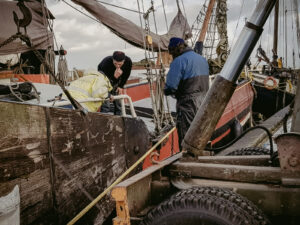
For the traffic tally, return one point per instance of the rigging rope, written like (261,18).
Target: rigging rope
(163,4)
(120,7)
(156,80)
(183,8)
(237,24)
(62,66)
(81,11)
(178,7)
(199,19)
(62,69)
(161,80)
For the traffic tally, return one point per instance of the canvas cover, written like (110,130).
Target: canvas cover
(92,85)
(133,33)
(37,29)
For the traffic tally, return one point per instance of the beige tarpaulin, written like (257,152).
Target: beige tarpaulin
(131,32)
(92,85)
(37,30)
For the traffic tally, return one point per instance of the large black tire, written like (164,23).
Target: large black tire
(251,209)
(250,151)
(201,206)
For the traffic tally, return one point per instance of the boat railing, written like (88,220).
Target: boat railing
(115,97)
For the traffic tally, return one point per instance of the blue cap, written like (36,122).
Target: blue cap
(174,41)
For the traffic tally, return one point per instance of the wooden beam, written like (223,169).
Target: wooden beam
(248,160)
(134,193)
(251,174)
(209,10)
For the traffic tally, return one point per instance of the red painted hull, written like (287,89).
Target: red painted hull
(239,107)
(34,78)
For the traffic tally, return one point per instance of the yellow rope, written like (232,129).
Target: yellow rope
(88,207)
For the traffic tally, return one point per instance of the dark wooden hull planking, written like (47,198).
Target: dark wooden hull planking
(88,154)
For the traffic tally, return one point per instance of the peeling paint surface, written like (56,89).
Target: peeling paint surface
(119,129)
(69,147)
(33,145)
(35,156)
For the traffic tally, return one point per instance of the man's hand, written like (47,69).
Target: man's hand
(111,98)
(118,73)
(119,90)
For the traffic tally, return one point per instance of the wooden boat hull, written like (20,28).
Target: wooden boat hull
(61,160)
(238,108)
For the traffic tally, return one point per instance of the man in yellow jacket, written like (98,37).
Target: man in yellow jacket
(91,85)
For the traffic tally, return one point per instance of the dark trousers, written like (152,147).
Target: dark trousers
(106,107)
(186,109)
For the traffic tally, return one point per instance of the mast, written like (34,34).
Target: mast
(275,35)
(199,44)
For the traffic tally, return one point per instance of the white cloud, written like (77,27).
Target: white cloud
(87,41)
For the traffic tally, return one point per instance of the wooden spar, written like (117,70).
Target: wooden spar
(199,43)
(275,35)
(206,20)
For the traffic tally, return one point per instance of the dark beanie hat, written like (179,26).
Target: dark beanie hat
(174,41)
(119,56)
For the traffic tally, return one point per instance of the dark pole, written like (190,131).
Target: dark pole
(275,35)
(223,87)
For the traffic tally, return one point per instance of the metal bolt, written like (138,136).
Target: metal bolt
(293,161)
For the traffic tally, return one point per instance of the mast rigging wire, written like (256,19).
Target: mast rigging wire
(183,8)
(120,7)
(163,4)
(237,24)
(81,11)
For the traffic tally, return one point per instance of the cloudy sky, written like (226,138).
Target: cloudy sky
(88,41)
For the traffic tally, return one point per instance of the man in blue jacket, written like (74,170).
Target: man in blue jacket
(187,81)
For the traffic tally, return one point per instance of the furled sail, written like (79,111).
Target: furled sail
(37,30)
(132,33)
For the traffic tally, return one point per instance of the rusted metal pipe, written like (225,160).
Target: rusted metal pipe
(223,87)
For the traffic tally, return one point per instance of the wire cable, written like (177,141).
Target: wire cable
(238,21)
(242,135)
(120,7)
(81,11)
(163,4)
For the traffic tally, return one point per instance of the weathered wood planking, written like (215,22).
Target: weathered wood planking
(24,158)
(89,153)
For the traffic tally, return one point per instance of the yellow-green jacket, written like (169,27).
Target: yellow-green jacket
(92,85)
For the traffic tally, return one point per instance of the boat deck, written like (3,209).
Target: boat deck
(258,137)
